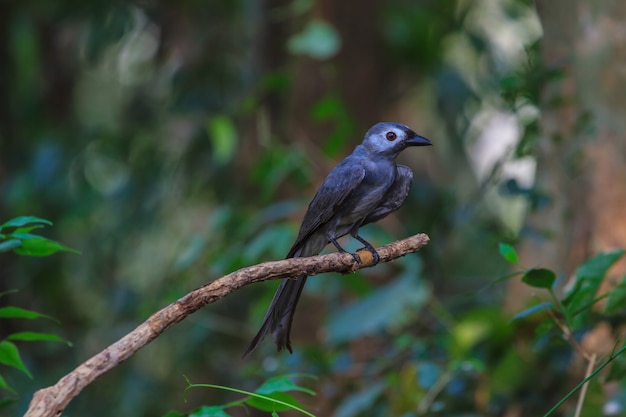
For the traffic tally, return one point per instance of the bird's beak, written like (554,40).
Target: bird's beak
(418,140)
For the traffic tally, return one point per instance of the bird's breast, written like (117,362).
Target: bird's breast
(368,195)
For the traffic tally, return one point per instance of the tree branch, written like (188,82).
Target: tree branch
(52,401)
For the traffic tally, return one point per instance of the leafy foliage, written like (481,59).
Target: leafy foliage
(15,235)
(18,230)
(270,396)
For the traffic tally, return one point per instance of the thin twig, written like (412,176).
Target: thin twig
(51,401)
(583,391)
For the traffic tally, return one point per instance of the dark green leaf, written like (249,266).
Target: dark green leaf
(508,252)
(20,313)
(281,384)
(617,298)
(358,403)
(8,245)
(5,386)
(9,355)
(28,228)
(589,277)
(173,413)
(36,337)
(24,220)
(40,246)
(539,278)
(618,369)
(532,310)
(268,405)
(210,411)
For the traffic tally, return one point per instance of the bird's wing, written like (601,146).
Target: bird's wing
(395,195)
(337,186)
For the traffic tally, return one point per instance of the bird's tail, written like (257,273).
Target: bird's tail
(279,315)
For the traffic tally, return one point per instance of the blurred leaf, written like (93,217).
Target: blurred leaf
(36,336)
(393,304)
(428,373)
(24,220)
(28,228)
(509,374)
(33,245)
(210,411)
(331,109)
(281,384)
(487,324)
(617,298)
(618,369)
(359,402)
(539,278)
(319,40)
(8,245)
(223,137)
(9,355)
(20,313)
(274,240)
(532,310)
(269,405)
(275,166)
(5,386)
(173,413)
(589,276)
(508,252)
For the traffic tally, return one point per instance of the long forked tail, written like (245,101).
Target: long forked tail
(279,315)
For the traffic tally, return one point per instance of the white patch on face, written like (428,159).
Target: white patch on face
(384,140)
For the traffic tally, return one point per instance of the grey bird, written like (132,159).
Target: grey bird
(363,188)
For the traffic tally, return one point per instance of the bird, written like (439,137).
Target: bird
(363,188)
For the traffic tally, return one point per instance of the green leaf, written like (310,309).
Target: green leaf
(281,384)
(508,252)
(288,402)
(36,337)
(319,40)
(28,228)
(223,137)
(532,310)
(270,398)
(5,386)
(10,244)
(393,305)
(40,246)
(20,313)
(210,411)
(24,220)
(9,355)
(539,278)
(617,298)
(359,402)
(588,278)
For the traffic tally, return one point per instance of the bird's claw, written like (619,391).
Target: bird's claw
(356,258)
(375,255)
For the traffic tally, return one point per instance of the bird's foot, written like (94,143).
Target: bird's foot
(374,253)
(356,257)
(370,248)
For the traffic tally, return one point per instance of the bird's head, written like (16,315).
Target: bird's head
(390,139)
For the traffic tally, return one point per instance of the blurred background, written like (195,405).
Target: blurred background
(174,142)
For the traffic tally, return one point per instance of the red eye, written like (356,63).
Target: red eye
(391,136)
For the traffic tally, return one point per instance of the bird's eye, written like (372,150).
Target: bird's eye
(391,136)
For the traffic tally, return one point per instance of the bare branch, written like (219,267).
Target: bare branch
(52,401)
